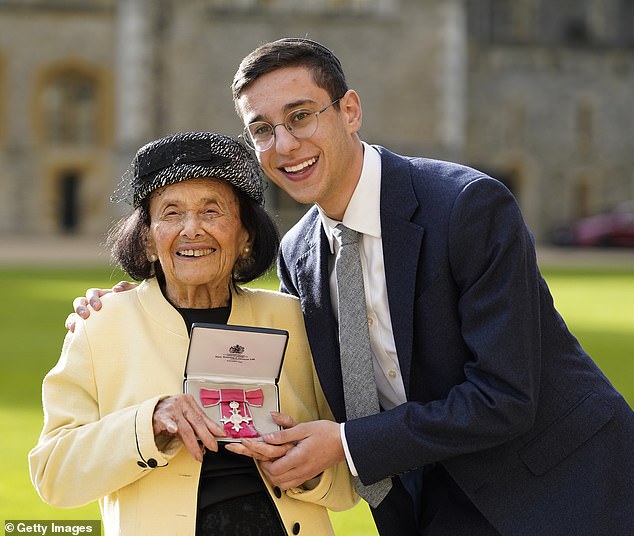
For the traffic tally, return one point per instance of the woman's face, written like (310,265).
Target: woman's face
(197,234)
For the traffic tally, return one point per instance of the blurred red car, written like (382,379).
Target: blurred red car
(610,229)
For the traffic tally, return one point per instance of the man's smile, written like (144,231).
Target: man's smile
(301,166)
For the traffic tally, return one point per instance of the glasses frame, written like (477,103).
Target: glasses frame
(246,133)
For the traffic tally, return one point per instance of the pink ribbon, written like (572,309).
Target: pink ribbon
(234,408)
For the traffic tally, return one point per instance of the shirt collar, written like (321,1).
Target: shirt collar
(363,211)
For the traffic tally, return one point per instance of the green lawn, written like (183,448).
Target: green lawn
(597,305)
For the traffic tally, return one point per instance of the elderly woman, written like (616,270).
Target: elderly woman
(117,427)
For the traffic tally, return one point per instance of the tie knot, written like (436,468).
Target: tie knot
(347,235)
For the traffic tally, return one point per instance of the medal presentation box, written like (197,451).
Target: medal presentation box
(232,372)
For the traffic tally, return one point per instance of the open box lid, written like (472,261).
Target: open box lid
(243,353)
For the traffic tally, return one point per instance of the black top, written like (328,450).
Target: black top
(232,499)
(224,475)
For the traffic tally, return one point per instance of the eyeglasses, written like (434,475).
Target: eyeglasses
(301,123)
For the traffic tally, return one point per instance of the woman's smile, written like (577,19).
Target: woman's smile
(195,252)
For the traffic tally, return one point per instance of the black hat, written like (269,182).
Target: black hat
(190,155)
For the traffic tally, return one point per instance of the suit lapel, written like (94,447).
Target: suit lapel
(314,290)
(402,241)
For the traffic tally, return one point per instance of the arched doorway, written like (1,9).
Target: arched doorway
(68,216)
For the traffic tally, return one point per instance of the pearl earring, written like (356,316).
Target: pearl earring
(247,250)
(153,258)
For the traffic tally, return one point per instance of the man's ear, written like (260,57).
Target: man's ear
(350,106)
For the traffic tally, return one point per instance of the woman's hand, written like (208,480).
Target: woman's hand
(180,416)
(93,298)
(261,451)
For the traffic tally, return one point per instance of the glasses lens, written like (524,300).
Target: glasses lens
(259,135)
(301,123)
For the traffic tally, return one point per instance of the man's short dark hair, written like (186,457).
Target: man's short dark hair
(292,52)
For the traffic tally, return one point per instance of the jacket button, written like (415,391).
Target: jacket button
(296,528)
(278,492)
(141,464)
(152,463)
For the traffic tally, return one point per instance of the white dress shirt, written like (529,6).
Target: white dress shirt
(363,215)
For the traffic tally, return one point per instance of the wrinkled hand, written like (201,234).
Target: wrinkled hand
(180,416)
(92,298)
(258,449)
(313,447)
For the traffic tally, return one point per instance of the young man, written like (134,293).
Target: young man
(493,419)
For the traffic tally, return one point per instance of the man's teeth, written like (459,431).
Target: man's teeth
(299,167)
(195,252)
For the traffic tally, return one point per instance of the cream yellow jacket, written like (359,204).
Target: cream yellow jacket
(97,442)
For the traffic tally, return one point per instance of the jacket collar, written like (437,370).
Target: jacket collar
(168,318)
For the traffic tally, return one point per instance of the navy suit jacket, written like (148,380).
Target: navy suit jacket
(499,392)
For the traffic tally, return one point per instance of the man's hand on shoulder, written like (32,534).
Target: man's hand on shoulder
(82,304)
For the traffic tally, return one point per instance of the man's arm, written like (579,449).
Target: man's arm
(478,323)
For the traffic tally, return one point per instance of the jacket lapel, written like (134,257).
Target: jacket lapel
(314,290)
(402,242)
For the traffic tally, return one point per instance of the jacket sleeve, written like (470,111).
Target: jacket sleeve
(286,283)
(83,454)
(495,286)
(335,489)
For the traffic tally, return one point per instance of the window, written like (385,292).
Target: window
(501,21)
(576,23)
(625,22)
(377,7)
(69,109)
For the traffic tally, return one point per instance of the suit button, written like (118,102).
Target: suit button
(278,492)
(296,528)
(152,463)
(141,464)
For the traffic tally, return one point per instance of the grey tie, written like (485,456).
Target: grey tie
(359,387)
